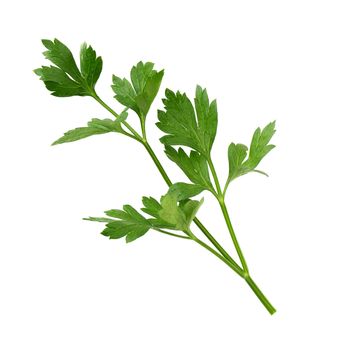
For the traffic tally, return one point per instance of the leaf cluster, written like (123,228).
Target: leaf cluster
(64,78)
(94,127)
(173,212)
(240,162)
(194,126)
(186,125)
(138,93)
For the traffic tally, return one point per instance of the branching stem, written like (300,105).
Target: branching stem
(134,134)
(220,253)
(142,139)
(223,207)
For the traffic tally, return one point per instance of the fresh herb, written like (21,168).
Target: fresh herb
(185,124)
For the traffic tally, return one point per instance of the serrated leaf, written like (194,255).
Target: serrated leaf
(207,116)
(185,127)
(60,55)
(108,125)
(239,164)
(184,191)
(130,223)
(190,209)
(95,127)
(260,146)
(65,79)
(139,75)
(59,83)
(78,134)
(138,94)
(145,99)
(174,212)
(124,93)
(171,212)
(195,166)
(236,156)
(90,65)
(179,213)
(151,206)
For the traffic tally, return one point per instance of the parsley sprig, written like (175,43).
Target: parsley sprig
(189,133)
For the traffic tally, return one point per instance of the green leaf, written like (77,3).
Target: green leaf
(171,212)
(174,212)
(195,166)
(124,93)
(107,125)
(207,116)
(130,224)
(151,206)
(140,74)
(236,156)
(90,65)
(190,209)
(184,191)
(57,81)
(239,164)
(151,88)
(123,115)
(95,127)
(65,79)
(185,127)
(138,94)
(181,214)
(260,146)
(62,57)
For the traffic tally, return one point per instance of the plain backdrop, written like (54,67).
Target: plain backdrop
(65,286)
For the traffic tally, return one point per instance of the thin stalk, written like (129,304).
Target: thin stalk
(143,128)
(221,199)
(269,307)
(223,207)
(171,234)
(157,163)
(213,251)
(135,135)
(233,236)
(216,179)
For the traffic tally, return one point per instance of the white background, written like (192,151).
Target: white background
(64,286)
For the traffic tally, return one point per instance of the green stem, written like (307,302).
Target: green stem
(171,234)
(220,197)
(269,307)
(216,244)
(260,295)
(157,163)
(166,178)
(223,207)
(233,236)
(238,270)
(215,177)
(143,128)
(135,135)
